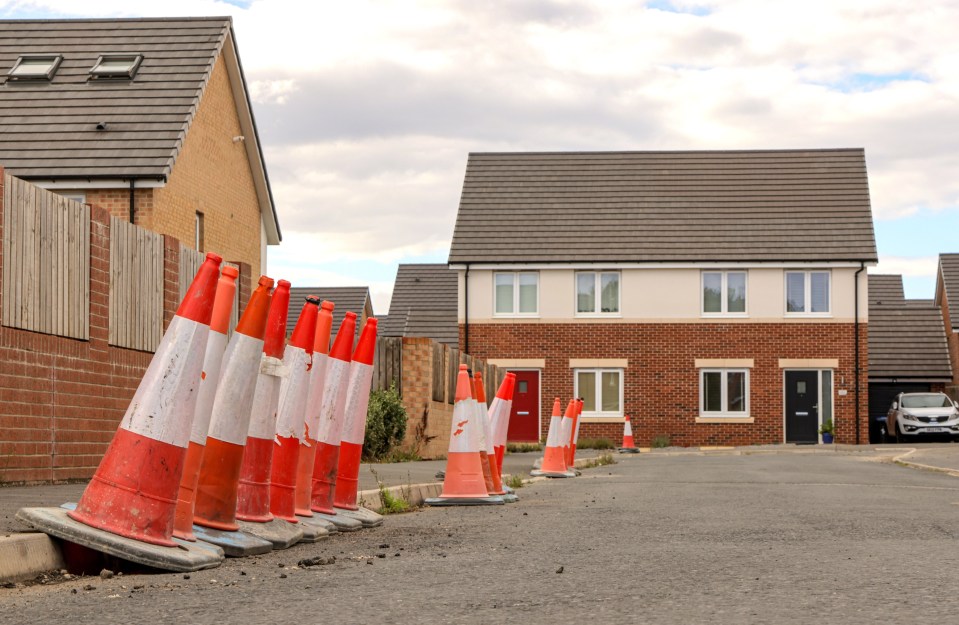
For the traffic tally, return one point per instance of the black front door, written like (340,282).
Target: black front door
(802,406)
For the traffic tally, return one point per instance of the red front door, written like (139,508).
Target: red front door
(524,420)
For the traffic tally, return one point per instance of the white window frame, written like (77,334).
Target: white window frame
(98,71)
(807,293)
(724,296)
(515,313)
(724,400)
(598,295)
(48,74)
(599,383)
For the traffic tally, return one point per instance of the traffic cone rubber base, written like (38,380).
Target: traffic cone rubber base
(364,515)
(342,522)
(234,544)
(312,533)
(628,450)
(184,557)
(279,533)
(321,523)
(553,474)
(494,500)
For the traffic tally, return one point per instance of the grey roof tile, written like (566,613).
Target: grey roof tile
(424,303)
(345,298)
(949,267)
(907,339)
(50,126)
(771,205)
(886,289)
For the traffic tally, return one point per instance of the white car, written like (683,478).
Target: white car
(914,414)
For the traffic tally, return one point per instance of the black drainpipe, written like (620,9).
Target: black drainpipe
(862,267)
(132,181)
(466,310)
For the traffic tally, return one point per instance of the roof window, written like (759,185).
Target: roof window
(35,67)
(116,66)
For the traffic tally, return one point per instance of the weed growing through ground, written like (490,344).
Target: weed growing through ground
(390,503)
(660,441)
(514,481)
(599,461)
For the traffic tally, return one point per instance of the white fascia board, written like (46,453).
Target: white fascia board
(105,183)
(668,265)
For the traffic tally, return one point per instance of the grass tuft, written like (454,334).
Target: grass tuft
(514,481)
(599,461)
(659,442)
(595,443)
(519,448)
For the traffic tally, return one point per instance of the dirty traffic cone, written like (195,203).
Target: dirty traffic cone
(554,463)
(332,417)
(304,469)
(481,432)
(463,483)
(499,413)
(215,347)
(134,491)
(629,446)
(253,490)
(291,412)
(482,414)
(574,437)
(215,505)
(354,427)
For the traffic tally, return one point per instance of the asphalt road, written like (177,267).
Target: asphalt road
(778,538)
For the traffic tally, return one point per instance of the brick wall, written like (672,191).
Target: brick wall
(61,399)
(428,421)
(661,384)
(212,175)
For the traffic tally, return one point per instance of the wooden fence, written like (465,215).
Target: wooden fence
(190,261)
(46,261)
(388,363)
(136,286)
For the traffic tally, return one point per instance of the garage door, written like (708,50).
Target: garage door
(880,398)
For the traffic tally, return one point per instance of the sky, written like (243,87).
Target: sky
(367,110)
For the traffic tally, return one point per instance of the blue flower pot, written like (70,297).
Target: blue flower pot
(827,439)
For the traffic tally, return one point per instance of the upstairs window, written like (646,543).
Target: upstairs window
(724,292)
(35,67)
(597,292)
(807,293)
(116,66)
(516,293)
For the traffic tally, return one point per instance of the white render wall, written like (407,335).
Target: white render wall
(662,295)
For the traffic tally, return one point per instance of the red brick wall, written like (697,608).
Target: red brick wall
(661,391)
(61,399)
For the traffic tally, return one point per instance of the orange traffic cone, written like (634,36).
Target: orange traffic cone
(332,417)
(463,483)
(253,490)
(482,415)
(215,505)
(215,346)
(499,413)
(575,434)
(629,445)
(480,432)
(554,463)
(321,350)
(134,491)
(291,413)
(354,422)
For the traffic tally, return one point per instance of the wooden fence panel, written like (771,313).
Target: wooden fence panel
(136,286)
(452,371)
(439,372)
(387,363)
(190,261)
(46,261)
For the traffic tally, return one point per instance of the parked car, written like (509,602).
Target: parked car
(916,414)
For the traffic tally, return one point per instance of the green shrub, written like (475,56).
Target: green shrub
(595,443)
(660,441)
(385,423)
(519,448)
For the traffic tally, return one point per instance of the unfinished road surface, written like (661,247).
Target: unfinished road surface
(766,538)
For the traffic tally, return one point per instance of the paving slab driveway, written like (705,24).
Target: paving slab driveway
(766,538)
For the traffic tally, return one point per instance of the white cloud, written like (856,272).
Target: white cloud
(907,266)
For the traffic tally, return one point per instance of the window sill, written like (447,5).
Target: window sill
(725,419)
(724,315)
(515,315)
(790,315)
(600,419)
(598,315)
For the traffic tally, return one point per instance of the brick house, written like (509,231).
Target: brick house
(908,346)
(717,298)
(147,118)
(947,299)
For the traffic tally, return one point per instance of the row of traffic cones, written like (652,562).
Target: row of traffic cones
(228,435)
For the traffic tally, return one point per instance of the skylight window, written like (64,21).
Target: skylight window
(116,66)
(35,67)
